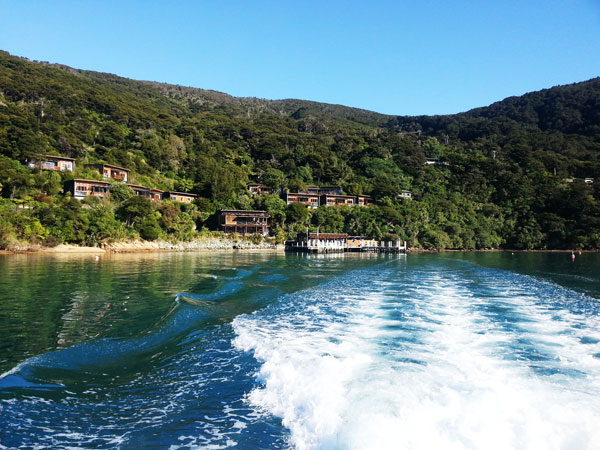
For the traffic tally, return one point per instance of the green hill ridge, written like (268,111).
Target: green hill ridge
(515,172)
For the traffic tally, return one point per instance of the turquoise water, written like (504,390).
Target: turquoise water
(459,350)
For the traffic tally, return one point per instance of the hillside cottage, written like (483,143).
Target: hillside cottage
(182,197)
(364,200)
(81,189)
(259,189)
(50,162)
(150,193)
(111,172)
(337,200)
(244,222)
(309,200)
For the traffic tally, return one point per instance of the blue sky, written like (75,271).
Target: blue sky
(395,57)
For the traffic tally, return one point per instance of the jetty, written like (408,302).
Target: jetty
(341,243)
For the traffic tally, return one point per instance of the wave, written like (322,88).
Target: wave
(462,358)
(188,310)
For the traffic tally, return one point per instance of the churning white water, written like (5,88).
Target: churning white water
(429,359)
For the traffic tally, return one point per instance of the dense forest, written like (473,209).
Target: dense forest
(510,175)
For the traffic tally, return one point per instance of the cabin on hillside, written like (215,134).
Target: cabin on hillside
(182,197)
(405,195)
(111,172)
(309,200)
(259,189)
(337,200)
(50,162)
(364,200)
(244,222)
(81,189)
(149,193)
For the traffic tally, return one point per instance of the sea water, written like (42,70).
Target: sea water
(453,351)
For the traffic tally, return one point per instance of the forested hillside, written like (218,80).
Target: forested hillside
(514,176)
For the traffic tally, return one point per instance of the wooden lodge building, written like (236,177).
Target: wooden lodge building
(244,222)
(315,196)
(259,189)
(182,197)
(111,172)
(50,162)
(308,200)
(81,189)
(337,200)
(316,200)
(150,193)
(364,200)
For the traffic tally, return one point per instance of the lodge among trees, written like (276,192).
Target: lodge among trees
(111,172)
(51,162)
(244,222)
(81,189)
(315,196)
(259,189)
(150,193)
(304,198)
(183,197)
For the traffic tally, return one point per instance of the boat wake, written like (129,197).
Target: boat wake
(429,359)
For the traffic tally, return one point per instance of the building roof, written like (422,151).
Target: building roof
(328,236)
(55,157)
(183,193)
(81,180)
(109,165)
(340,196)
(244,212)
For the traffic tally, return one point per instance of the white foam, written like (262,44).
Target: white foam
(335,383)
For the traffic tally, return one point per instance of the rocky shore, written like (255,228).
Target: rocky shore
(204,244)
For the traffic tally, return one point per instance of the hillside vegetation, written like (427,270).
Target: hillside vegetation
(503,185)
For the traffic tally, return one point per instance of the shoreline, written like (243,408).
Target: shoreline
(220,245)
(197,245)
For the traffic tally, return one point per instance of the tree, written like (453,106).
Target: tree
(297,213)
(273,178)
(120,192)
(134,210)
(275,206)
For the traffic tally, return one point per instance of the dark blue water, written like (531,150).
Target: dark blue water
(272,351)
